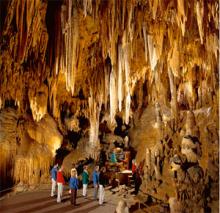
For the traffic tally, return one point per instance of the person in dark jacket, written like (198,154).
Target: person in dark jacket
(103,181)
(137,181)
(85,180)
(73,184)
(54,179)
(95,178)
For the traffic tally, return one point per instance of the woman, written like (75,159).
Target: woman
(60,183)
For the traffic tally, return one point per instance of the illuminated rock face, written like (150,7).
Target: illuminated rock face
(27,147)
(152,63)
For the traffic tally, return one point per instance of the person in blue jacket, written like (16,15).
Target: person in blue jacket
(53,173)
(95,178)
(73,184)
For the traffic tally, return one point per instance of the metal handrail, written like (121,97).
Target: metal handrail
(8,189)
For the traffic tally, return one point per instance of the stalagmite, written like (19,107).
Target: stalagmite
(200,15)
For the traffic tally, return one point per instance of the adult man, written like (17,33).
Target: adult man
(54,179)
(103,181)
(95,178)
(85,180)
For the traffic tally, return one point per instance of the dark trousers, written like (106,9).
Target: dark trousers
(73,196)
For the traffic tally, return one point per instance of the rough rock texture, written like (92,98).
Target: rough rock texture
(27,148)
(153,64)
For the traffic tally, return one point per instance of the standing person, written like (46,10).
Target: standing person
(103,181)
(54,179)
(74,168)
(95,178)
(113,157)
(85,180)
(134,166)
(137,181)
(73,183)
(60,183)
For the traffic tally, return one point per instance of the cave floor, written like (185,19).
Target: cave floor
(40,201)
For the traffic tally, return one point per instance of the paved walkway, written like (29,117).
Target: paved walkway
(40,201)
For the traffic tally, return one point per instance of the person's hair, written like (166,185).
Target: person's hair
(103,169)
(73,173)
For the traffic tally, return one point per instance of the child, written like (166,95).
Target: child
(73,183)
(85,180)
(60,183)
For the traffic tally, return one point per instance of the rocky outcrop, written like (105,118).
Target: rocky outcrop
(27,148)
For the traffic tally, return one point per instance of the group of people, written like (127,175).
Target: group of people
(99,179)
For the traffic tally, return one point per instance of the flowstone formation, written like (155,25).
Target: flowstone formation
(84,70)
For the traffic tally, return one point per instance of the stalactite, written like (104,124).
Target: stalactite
(154,9)
(181,15)
(29,13)
(1,103)
(212,45)
(120,78)
(127,85)
(130,27)
(174,58)
(87,7)
(159,38)
(173,96)
(145,42)
(95,104)
(113,95)
(200,15)
(152,52)
(107,79)
(71,34)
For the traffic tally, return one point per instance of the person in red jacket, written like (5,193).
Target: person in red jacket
(134,167)
(60,183)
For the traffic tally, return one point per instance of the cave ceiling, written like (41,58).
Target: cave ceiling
(94,56)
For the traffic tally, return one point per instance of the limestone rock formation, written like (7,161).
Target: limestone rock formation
(75,72)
